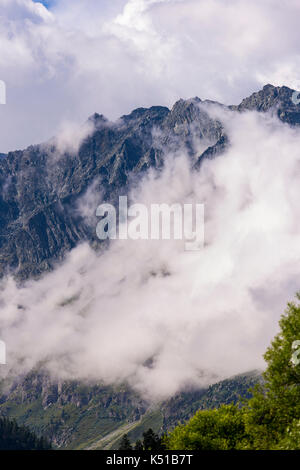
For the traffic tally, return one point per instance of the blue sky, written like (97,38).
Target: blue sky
(47,3)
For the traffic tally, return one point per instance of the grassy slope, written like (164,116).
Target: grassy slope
(96,417)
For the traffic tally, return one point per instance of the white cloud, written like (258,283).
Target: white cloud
(70,136)
(83,56)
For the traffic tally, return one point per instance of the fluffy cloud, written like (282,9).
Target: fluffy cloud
(81,56)
(161,318)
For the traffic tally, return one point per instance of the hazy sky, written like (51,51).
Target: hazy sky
(80,56)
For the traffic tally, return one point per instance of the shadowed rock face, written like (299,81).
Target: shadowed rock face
(277,98)
(40,188)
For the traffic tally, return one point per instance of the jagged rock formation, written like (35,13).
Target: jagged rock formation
(39,189)
(278,99)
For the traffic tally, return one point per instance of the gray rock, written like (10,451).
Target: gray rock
(39,192)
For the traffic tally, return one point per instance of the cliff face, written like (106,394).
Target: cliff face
(40,186)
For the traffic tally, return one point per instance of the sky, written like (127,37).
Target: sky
(76,57)
(47,3)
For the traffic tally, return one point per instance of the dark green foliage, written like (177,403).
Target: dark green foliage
(138,445)
(125,443)
(14,437)
(152,441)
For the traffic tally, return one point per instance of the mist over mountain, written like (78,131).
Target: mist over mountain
(41,186)
(146,312)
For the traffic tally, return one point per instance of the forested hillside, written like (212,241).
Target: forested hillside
(14,437)
(77,416)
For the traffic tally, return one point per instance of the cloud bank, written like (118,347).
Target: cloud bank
(80,56)
(148,312)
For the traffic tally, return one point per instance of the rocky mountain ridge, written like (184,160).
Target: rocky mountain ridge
(40,186)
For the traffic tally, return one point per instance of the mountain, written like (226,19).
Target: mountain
(40,187)
(277,98)
(74,415)
(41,190)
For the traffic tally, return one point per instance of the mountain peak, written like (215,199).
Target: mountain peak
(98,119)
(272,98)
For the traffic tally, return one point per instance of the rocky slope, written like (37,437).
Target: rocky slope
(40,187)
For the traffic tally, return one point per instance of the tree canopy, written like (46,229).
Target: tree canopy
(268,420)
(14,437)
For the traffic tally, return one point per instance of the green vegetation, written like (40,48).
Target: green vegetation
(71,415)
(151,441)
(268,420)
(14,437)
(125,443)
(219,429)
(95,416)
